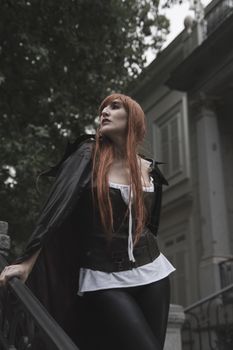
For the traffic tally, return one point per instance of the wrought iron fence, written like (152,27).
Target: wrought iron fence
(25,323)
(217,14)
(209,323)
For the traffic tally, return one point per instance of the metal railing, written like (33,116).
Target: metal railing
(25,323)
(209,322)
(217,14)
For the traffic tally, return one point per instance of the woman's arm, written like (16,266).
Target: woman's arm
(72,175)
(21,270)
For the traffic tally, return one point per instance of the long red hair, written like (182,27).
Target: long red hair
(104,157)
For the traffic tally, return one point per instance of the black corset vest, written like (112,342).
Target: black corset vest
(109,253)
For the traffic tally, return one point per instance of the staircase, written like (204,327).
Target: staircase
(25,323)
(209,322)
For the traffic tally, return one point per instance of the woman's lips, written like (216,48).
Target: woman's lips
(104,122)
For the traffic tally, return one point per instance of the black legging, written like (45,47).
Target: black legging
(132,318)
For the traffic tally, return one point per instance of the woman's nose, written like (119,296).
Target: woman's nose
(105,112)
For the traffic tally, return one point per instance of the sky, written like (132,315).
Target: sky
(176,14)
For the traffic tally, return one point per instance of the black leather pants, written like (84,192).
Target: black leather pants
(132,318)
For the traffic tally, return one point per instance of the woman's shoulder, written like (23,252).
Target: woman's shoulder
(83,142)
(145,165)
(153,166)
(82,146)
(145,162)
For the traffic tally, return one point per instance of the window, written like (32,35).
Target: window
(170,139)
(171,143)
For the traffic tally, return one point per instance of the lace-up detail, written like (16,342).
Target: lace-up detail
(128,199)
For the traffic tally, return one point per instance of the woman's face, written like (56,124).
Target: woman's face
(114,119)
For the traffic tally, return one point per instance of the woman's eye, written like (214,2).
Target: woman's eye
(115,106)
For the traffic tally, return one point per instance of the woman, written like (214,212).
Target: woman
(100,222)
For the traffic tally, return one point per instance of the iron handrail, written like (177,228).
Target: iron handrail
(208,298)
(52,331)
(209,322)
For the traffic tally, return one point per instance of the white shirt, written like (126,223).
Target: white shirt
(90,280)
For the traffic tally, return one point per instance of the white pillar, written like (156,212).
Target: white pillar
(175,321)
(213,212)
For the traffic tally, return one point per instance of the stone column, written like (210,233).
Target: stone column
(213,213)
(4,238)
(175,321)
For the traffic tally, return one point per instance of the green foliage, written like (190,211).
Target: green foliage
(169,3)
(58,59)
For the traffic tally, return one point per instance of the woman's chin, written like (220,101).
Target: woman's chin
(106,131)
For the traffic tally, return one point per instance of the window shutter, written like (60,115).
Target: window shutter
(170,139)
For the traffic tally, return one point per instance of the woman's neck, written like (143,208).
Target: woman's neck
(120,154)
(119,151)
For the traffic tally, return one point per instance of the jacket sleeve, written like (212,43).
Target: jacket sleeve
(72,176)
(159,180)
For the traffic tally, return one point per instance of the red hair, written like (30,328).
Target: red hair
(104,156)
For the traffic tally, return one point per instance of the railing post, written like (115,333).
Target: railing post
(175,321)
(4,238)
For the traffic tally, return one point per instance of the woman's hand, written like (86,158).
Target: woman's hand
(20,270)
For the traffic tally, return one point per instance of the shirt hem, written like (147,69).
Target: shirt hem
(81,292)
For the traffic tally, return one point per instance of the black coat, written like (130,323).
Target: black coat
(54,278)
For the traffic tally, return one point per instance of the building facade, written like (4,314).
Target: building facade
(187,94)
